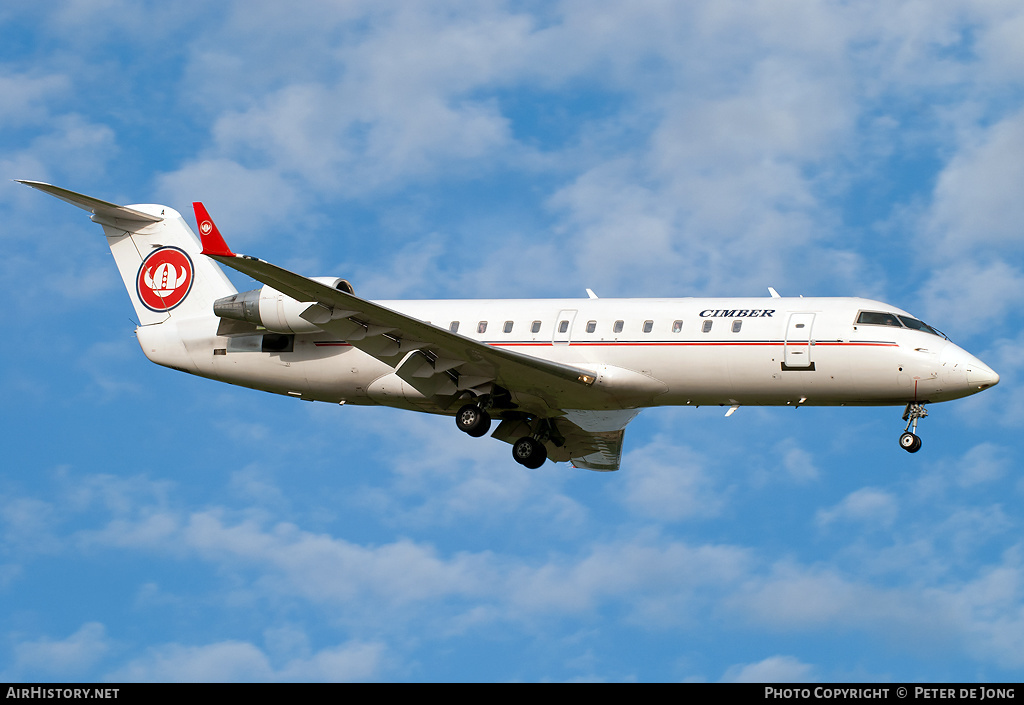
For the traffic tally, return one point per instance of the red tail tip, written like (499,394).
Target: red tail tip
(213,242)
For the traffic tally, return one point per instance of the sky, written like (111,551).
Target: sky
(156,526)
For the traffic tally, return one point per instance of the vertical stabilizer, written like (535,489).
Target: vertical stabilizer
(158,256)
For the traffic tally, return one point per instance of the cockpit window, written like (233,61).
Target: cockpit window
(915,324)
(876,318)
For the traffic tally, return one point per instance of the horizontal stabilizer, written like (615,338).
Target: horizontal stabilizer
(104,209)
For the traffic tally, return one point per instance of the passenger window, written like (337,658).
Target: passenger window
(736,325)
(591,326)
(563,326)
(508,326)
(677,326)
(481,327)
(535,328)
(617,328)
(648,326)
(707,326)
(454,327)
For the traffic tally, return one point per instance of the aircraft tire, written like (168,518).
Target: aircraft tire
(473,420)
(529,453)
(910,443)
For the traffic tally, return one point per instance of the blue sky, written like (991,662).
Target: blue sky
(156,526)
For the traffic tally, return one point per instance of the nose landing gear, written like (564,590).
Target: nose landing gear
(909,440)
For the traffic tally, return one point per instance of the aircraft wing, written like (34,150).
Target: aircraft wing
(441,362)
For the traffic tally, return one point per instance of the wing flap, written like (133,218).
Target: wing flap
(594,438)
(599,451)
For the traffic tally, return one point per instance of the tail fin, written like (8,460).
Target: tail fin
(158,255)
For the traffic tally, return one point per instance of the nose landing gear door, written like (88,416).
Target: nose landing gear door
(798,342)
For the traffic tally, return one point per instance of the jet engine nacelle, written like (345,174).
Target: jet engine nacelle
(275,311)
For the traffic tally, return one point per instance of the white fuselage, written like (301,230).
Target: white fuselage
(689,351)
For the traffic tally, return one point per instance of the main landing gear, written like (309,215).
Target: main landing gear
(473,419)
(528,451)
(908,440)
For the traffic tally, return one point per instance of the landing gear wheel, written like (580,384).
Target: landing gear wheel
(473,420)
(910,443)
(529,452)
(909,440)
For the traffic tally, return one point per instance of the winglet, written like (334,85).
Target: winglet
(213,241)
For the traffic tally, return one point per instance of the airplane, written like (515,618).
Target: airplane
(563,377)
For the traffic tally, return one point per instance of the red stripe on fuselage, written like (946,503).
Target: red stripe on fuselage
(694,343)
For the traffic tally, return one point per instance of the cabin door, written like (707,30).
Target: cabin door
(798,341)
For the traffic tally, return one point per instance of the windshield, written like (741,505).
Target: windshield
(880,318)
(915,324)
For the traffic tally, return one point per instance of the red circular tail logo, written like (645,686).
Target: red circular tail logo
(164,279)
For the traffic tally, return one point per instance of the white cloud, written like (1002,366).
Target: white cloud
(657,581)
(245,202)
(377,96)
(663,583)
(988,611)
(440,477)
(999,56)
(870,506)
(774,669)
(797,462)
(235,661)
(978,466)
(317,567)
(71,656)
(25,99)
(984,462)
(973,295)
(214,663)
(667,482)
(29,525)
(976,208)
(981,615)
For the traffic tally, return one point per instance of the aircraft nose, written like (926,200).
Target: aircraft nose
(963,371)
(981,376)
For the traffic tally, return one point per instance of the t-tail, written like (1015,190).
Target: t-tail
(170,284)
